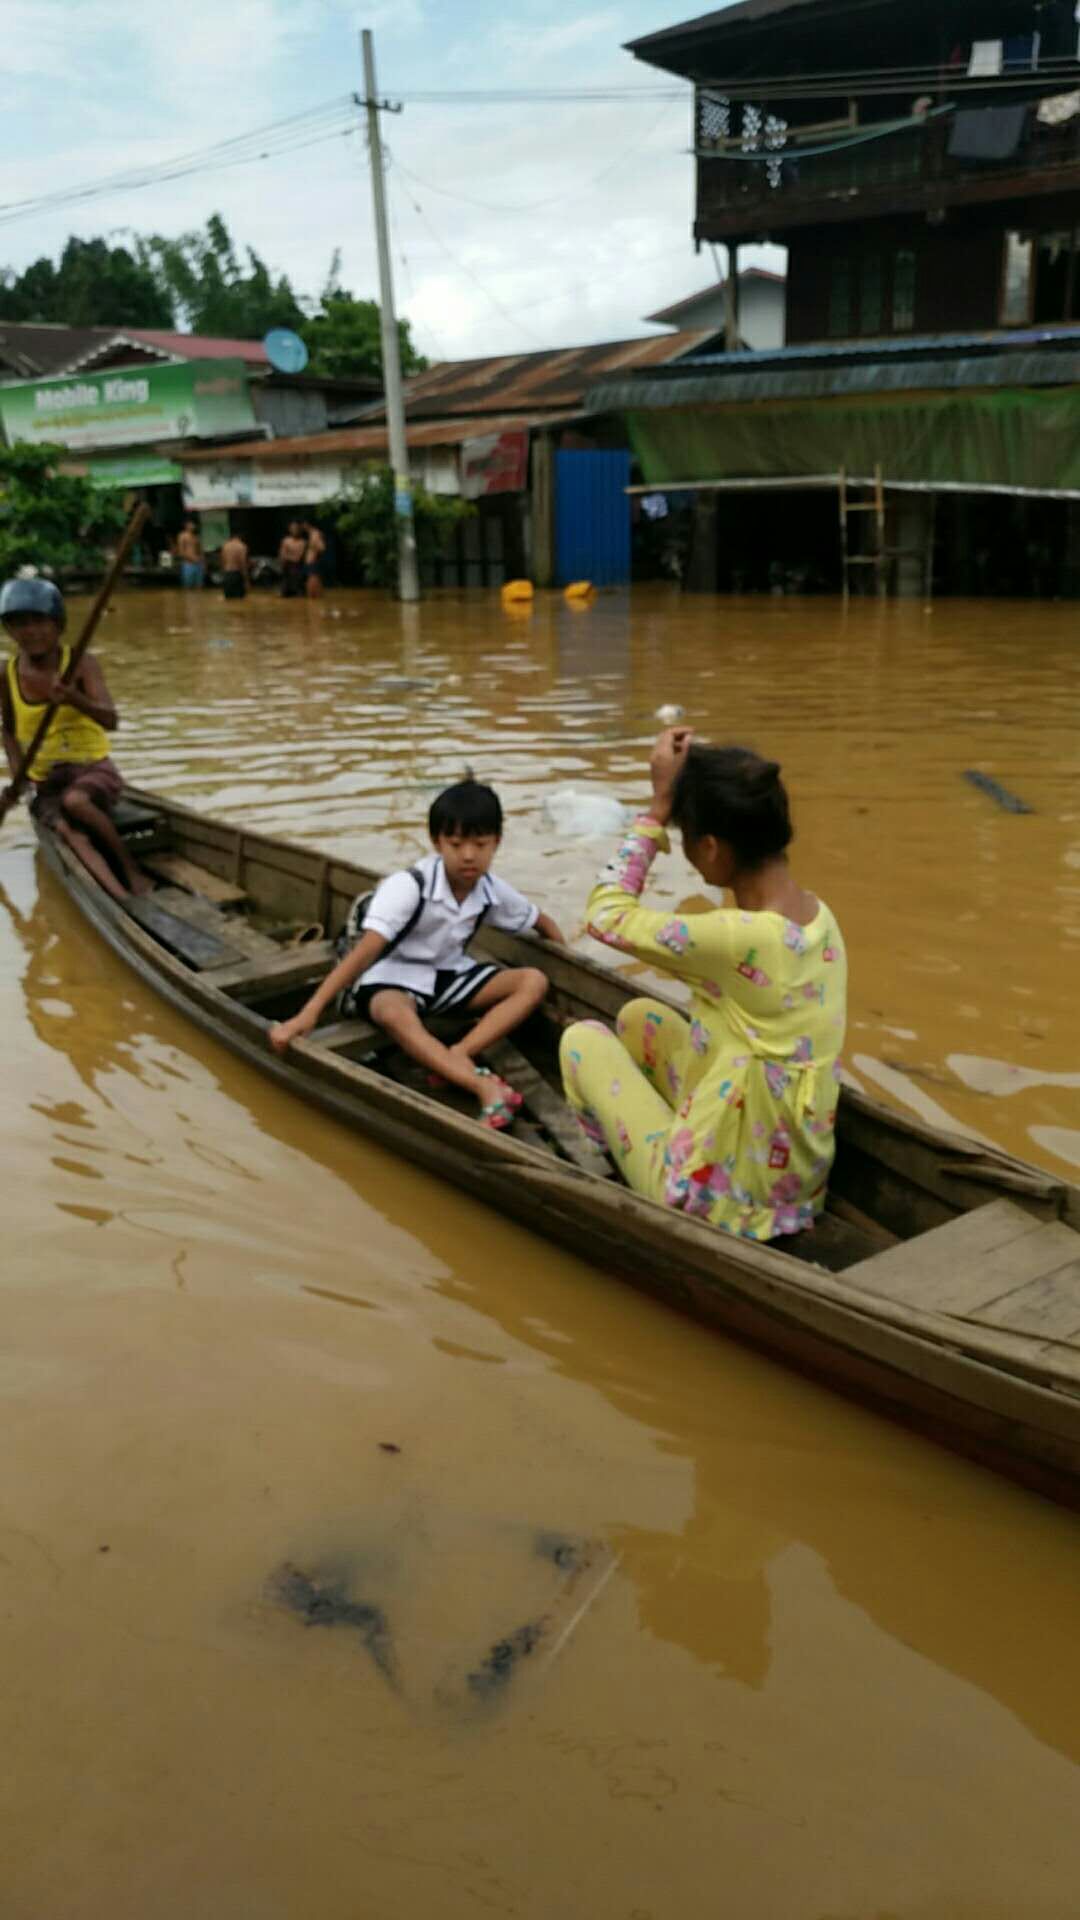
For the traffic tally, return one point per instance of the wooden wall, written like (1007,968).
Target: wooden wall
(958,277)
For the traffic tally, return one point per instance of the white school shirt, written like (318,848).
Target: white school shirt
(436,944)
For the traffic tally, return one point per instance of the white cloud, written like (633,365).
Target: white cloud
(541,43)
(594,230)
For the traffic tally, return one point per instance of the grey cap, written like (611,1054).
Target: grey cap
(33,596)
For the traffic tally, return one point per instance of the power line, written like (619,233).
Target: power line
(548,96)
(292,134)
(490,297)
(555,200)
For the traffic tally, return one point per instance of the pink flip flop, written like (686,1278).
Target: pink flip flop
(498,1114)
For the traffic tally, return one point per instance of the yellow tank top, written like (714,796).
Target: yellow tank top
(73,738)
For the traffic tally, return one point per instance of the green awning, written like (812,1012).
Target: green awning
(1014,438)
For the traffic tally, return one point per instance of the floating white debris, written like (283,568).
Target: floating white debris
(584,813)
(670,715)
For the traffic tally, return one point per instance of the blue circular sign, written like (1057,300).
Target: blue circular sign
(285,350)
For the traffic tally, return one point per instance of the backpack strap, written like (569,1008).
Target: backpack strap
(421,902)
(353,929)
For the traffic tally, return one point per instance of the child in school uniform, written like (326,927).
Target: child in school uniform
(409,958)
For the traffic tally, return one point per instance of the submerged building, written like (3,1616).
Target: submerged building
(921,165)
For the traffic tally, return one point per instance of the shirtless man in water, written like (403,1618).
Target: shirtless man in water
(291,559)
(235,571)
(313,558)
(190,555)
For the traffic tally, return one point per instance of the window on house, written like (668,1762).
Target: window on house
(840,299)
(1018,281)
(870,295)
(903,292)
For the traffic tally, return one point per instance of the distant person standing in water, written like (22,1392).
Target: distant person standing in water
(190,555)
(314,556)
(235,569)
(291,559)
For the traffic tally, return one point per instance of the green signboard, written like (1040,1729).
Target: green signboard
(174,401)
(128,470)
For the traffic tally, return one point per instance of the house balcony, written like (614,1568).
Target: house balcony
(849,169)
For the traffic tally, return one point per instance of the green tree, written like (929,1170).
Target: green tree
(91,285)
(364,516)
(214,291)
(50,519)
(344,338)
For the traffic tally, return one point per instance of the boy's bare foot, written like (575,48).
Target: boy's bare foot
(140,882)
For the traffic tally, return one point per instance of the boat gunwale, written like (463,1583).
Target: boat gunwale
(769,1282)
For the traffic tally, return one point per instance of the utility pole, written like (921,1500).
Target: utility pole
(408,575)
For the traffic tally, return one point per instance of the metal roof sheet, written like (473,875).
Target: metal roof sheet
(355,442)
(705,385)
(553,379)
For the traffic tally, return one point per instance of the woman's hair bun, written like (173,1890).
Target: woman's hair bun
(760,776)
(736,795)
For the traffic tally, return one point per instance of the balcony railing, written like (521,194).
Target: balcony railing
(757,173)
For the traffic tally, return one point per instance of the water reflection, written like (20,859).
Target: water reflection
(815,1639)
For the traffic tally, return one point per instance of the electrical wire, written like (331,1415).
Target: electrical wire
(440,351)
(291,135)
(467,272)
(550,96)
(554,200)
(1062,73)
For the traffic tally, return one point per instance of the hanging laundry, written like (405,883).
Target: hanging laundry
(1060,108)
(987,133)
(986,59)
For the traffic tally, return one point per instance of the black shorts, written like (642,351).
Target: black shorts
(233,584)
(452,993)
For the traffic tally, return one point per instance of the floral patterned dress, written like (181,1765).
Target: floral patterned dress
(728,1115)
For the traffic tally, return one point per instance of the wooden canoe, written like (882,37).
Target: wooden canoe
(942,1284)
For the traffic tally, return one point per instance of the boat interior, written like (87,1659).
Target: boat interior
(945,1220)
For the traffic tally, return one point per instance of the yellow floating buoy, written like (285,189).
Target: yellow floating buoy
(516,592)
(579,590)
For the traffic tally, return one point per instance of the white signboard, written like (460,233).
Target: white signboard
(240,483)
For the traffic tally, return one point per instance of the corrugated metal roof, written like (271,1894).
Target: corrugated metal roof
(355,442)
(38,351)
(41,351)
(171,346)
(535,382)
(702,385)
(991,340)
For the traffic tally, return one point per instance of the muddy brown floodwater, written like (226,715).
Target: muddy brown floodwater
(798,1665)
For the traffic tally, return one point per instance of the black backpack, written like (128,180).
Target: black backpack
(354,925)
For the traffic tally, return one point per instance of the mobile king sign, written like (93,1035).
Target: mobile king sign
(173,401)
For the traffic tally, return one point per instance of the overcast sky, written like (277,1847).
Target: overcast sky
(98,85)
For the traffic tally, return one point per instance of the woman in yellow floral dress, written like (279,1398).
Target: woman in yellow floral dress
(728,1114)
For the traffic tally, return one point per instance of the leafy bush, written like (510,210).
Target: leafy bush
(363,513)
(48,519)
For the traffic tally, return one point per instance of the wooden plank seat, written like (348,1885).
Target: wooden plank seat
(254,980)
(1000,1267)
(196,946)
(188,875)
